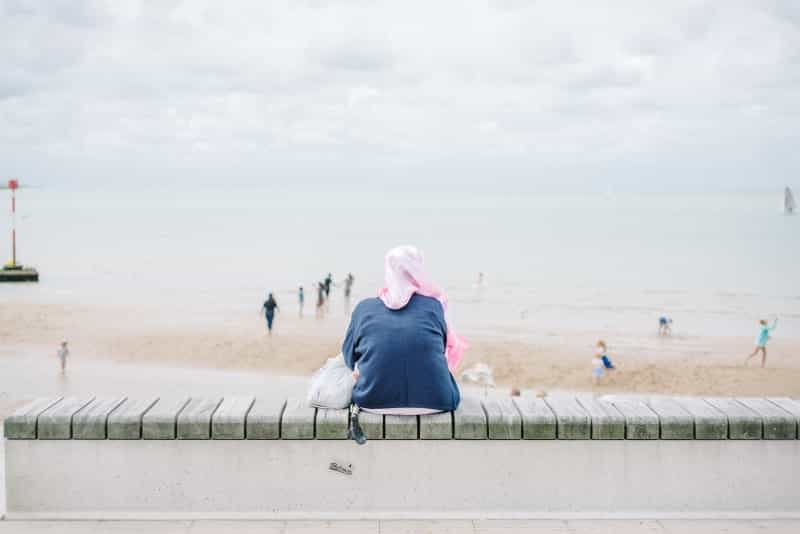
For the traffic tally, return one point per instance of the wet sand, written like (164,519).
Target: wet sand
(541,361)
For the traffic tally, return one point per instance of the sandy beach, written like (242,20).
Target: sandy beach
(550,360)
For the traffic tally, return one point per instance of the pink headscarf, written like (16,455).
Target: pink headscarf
(405,275)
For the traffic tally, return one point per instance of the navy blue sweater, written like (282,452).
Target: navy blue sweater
(400,356)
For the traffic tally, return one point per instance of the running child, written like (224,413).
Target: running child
(761,341)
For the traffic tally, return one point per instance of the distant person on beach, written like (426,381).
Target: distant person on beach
(664,326)
(761,341)
(479,287)
(63,353)
(320,299)
(598,370)
(328,282)
(403,344)
(348,290)
(270,306)
(602,351)
(301,300)
(348,284)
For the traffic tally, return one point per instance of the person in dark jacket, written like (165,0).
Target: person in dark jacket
(269,307)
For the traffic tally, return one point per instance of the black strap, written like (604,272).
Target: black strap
(354,431)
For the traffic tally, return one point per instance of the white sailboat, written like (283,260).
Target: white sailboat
(789,204)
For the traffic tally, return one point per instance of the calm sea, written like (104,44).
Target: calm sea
(715,263)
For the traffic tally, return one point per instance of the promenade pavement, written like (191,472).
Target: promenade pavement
(545,526)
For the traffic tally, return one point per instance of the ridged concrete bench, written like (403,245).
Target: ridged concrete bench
(246,455)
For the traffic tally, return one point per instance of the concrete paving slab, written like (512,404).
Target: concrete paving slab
(625,526)
(238,527)
(426,527)
(51,527)
(777,526)
(143,527)
(312,527)
(509,526)
(708,526)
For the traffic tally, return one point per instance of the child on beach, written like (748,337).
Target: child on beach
(664,326)
(598,370)
(62,353)
(761,341)
(301,300)
(602,353)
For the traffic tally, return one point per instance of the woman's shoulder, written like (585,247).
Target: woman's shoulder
(367,305)
(423,301)
(430,307)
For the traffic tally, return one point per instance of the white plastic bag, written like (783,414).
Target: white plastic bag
(332,385)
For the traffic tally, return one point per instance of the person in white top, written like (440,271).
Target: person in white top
(600,362)
(62,353)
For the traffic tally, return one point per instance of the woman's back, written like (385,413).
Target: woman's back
(400,356)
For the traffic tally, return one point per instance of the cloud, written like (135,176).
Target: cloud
(354,55)
(360,94)
(607,77)
(446,91)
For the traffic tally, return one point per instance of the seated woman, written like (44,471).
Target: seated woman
(401,345)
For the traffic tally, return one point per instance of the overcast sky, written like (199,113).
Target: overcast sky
(504,94)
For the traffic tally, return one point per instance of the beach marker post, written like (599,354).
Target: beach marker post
(12,271)
(13,185)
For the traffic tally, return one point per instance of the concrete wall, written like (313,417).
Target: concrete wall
(249,478)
